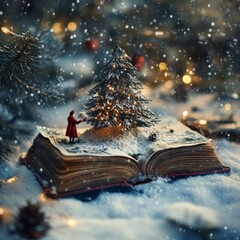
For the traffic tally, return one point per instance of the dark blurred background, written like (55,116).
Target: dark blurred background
(187,44)
(187,51)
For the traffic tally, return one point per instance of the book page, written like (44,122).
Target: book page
(172,134)
(89,145)
(134,145)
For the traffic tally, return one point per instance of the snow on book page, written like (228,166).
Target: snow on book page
(169,131)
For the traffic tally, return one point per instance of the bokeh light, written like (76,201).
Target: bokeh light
(187,79)
(72,26)
(162,66)
(57,27)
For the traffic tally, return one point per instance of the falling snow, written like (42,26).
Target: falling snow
(191,56)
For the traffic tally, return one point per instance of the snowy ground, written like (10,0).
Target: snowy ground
(206,207)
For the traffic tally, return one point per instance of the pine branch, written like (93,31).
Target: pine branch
(51,49)
(28,79)
(20,70)
(15,126)
(16,130)
(4,151)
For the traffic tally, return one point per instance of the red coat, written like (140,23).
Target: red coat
(71,128)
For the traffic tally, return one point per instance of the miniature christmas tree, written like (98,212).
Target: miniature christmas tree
(116,101)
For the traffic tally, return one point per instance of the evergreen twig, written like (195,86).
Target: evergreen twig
(28,79)
(20,65)
(4,151)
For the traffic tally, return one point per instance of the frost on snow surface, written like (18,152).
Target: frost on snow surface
(201,207)
(190,208)
(170,133)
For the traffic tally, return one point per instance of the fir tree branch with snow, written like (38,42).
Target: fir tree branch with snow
(25,66)
(23,60)
(116,101)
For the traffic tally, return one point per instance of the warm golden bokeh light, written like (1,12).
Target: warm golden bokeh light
(12,179)
(57,27)
(71,223)
(187,79)
(162,66)
(5,30)
(1,211)
(5,215)
(148,33)
(159,33)
(227,106)
(185,113)
(169,84)
(42,197)
(72,26)
(202,122)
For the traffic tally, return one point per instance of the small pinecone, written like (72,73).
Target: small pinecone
(152,137)
(31,222)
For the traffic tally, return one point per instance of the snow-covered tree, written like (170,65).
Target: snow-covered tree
(117,101)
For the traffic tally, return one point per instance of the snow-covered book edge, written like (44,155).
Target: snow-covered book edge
(99,161)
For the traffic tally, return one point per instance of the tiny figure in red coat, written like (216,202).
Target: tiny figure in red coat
(71,131)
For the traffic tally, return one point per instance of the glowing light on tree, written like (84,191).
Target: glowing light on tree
(117,100)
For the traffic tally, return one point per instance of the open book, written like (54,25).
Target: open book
(98,161)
